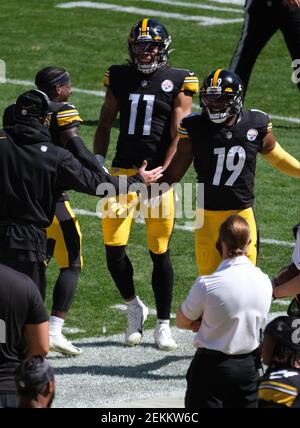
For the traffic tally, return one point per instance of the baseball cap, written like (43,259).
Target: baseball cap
(32,374)
(35,103)
(285,330)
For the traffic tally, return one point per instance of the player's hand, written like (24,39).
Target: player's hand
(152,175)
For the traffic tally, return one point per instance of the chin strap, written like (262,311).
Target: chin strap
(283,161)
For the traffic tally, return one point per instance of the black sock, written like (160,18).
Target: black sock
(65,288)
(121,270)
(162,283)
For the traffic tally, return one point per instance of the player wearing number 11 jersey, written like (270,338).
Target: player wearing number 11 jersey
(151,98)
(224,141)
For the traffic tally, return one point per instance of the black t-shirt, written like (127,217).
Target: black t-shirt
(145,103)
(20,304)
(225,157)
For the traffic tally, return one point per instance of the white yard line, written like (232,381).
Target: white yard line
(237,2)
(102,94)
(201,20)
(195,5)
(188,228)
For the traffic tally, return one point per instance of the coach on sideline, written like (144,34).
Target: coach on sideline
(33,173)
(227,310)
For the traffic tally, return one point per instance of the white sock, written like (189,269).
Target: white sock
(132,302)
(159,321)
(55,325)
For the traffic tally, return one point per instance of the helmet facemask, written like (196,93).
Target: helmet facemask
(219,105)
(148,45)
(148,56)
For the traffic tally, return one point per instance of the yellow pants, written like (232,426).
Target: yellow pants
(119,213)
(206,235)
(64,237)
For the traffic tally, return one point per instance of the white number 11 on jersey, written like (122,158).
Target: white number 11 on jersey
(134,98)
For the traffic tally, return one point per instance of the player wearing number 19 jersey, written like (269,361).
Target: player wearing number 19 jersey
(151,98)
(224,141)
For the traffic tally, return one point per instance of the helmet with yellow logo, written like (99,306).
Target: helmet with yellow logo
(221,95)
(148,45)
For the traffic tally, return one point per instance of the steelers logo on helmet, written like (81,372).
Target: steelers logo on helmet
(221,95)
(148,45)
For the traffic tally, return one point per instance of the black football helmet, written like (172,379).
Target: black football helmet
(148,45)
(221,95)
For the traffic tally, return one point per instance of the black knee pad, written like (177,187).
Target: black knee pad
(114,255)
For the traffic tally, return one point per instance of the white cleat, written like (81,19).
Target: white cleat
(163,337)
(136,316)
(59,343)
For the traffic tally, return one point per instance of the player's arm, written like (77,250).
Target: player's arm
(273,153)
(185,323)
(37,339)
(108,114)
(72,142)
(182,107)
(288,289)
(180,162)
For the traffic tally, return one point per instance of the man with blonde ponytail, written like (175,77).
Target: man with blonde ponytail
(227,310)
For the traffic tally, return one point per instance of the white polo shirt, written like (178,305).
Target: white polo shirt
(296,252)
(234,303)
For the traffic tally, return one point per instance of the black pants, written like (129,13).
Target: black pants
(35,270)
(23,248)
(9,401)
(216,380)
(262,19)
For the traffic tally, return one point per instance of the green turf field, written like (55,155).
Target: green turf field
(86,41)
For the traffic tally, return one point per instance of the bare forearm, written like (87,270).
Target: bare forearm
(101,140)
(185,323)
(37,338)
(288,289)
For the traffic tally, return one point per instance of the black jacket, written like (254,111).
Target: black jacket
(34,172)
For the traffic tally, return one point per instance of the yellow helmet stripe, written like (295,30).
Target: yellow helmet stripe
(216,75)
(144,27)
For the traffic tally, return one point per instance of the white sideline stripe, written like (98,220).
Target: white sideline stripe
(201,20)
(30,83)
(194,5)
(282,302)
(102,94)
(153,312)
(82,212)
(238,2)
(73,330)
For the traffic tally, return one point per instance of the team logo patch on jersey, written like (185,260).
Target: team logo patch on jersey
(252,134)
(44,148)
(167,85)
(228,135)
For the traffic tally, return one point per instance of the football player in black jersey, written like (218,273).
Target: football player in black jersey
(280,386)
(64,238)
(223,141)
(152,98)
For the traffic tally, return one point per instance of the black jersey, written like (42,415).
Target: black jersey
(67,117)
(280,389)
(225,158)
(145,103)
